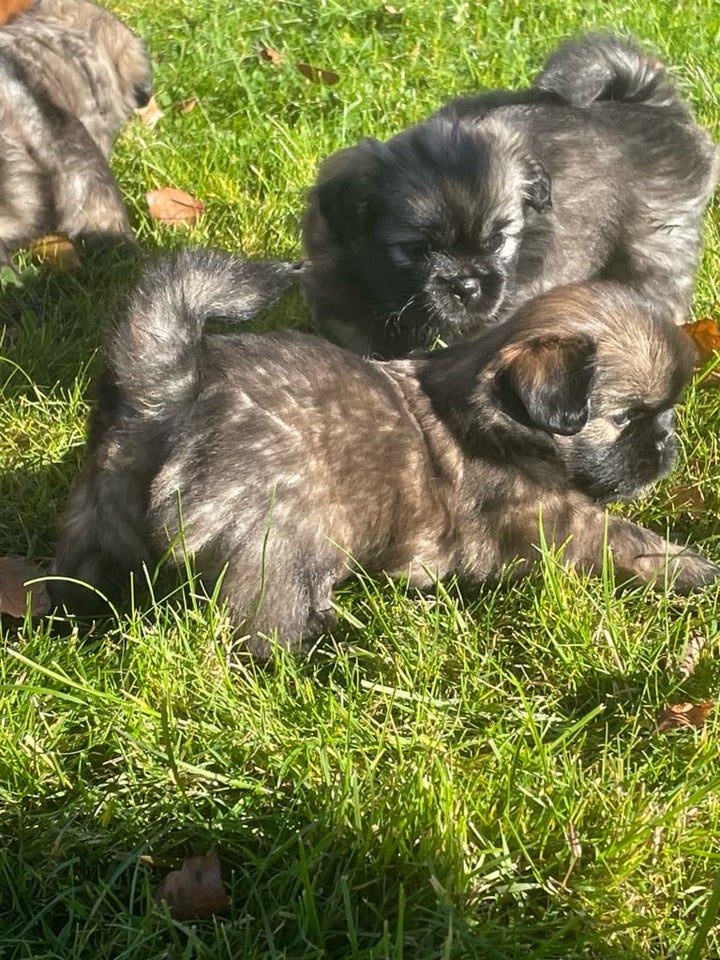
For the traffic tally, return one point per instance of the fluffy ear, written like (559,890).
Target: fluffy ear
(537,190)
(546,383)
(343,189)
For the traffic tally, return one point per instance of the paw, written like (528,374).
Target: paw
(688,570)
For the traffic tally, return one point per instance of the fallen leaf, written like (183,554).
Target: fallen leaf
(195,890)
(57,250)
(683,715)
(689,498)
(187,105)
(173,206)
(14,574)
(317,74)
(9,9)
(706,336)
(705,333)
(150,113)
(271,55)
(691,655)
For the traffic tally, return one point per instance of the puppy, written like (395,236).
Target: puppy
(282,463)
(598,171)
(70,75)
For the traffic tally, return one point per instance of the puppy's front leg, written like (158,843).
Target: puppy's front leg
(637,553)
(87,198)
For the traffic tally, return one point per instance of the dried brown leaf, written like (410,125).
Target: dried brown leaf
(687,497)
(683,715)
(10,9)
(56,250)
(195,890)
(15,572)
(150,113)
(317,74)
(271,55)
(706,335)
(171,205)
(187,105)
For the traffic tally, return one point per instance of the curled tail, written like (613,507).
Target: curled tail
(154,349)
(602,66)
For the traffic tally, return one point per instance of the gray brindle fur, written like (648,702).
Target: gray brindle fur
(70,75)
(597,171)
(282,462)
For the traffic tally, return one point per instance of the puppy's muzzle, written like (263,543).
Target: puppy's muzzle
(476,290)
(142,93)
(466,288)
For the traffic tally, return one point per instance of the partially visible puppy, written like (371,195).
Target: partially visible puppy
(70,75)
(598,171)
(281,463)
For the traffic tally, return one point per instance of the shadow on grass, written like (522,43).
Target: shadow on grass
(301,885)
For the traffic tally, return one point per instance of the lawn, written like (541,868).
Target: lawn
(445,777)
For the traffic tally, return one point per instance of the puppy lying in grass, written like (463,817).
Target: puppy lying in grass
(280,462)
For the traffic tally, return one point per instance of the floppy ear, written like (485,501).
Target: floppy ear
(343,189)
(546,383)
(537,188)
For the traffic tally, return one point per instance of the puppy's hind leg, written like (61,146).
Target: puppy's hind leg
(101,542)
(292,601)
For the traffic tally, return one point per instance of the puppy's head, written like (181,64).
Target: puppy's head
(122,68)
(430,224)
(588,366)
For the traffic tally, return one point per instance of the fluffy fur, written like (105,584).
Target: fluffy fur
(280,462)
(70,75)
(598,171)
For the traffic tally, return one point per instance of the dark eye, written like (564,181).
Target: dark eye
(625,417)
(406,253)
(494,242)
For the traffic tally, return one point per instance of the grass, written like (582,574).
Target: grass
(449,777)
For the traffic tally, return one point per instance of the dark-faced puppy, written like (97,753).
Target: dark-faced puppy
(280,463)
(597,171)
(70,75)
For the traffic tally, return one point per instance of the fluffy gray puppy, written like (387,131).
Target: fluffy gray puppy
(598,171)
(282,463)
(70,75)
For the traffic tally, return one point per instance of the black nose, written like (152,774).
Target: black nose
(466,287)
(142,93)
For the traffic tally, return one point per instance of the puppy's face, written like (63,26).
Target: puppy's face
(603,386)
(123,51)
(432,220)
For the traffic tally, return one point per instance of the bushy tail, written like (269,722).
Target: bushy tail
(602,66)
(153,353)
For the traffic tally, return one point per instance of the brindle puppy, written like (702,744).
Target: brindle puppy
(70,75)
(598,170)
(281,463)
